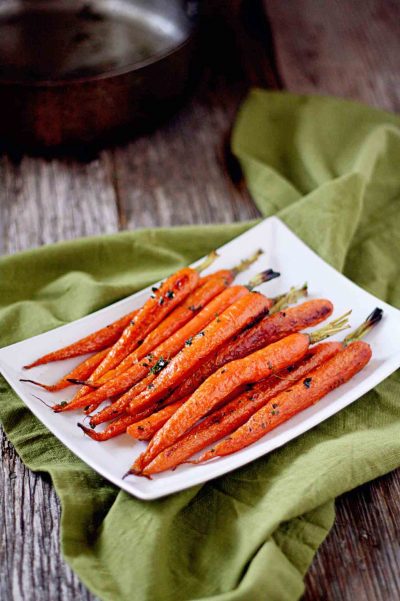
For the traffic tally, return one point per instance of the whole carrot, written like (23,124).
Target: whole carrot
(94,342)
(243,313)
(147,422)
(207,289)
(160,356)
(146,428)
(270,329)
(302,395)
(161,302)
(83,370)
(229,378)
(235,413)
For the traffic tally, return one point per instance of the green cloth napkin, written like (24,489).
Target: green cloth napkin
(330,170)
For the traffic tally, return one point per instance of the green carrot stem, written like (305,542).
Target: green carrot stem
(289,298)
(366,326)
(260,278)
(245,263)
(333,327)
(209,260)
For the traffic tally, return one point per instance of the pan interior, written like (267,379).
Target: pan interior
(68,39)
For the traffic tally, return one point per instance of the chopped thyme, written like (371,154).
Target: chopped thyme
(274,405)
(150,386)
(161,300)
(154,289)
(170,294)
(192,308)
(157,367)
(307,382)
(189,341)
(63,403)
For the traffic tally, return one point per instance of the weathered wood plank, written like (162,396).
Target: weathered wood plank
(348,49)
(42,202)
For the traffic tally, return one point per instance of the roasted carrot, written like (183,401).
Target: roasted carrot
(94,342)
(243,313)
(83,370)
(146,428)
(235,413)
(268,330)
(300,396)
(160,356)
(161,302)
(115,428)
(192,305)
(228,379)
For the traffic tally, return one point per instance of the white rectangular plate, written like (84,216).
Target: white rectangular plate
(297,263)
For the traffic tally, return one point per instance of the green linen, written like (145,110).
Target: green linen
(330,170)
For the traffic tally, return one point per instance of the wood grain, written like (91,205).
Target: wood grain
(182,173)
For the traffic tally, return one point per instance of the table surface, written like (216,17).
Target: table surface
(182,174)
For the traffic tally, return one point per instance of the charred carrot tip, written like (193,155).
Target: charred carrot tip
(93,435)
(264,276)
(82,382)
(372,319)
(33,382)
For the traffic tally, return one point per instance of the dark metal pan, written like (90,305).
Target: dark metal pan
(79,71)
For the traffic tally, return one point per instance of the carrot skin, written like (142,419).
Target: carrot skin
(183,313)
(238,316)
(146,428)
(335,372)
(165,298)
(224,382)
(94,342)
(225,420)
(270,329)
(169,348)
(81,371)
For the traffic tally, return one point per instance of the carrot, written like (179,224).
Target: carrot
(115,428)
(159,358)
(161,302)
(228,379)
(83,370)
(92,343)
(156,416)
(146,428)
(302,395)
(208,288)
(238,411)
(241,314)
(268,330)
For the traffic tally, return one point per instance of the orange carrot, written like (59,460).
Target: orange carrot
(163,299)
(92,343)
(83,370)
(146,428)
(238,411)
(207,289)
(243,313)
(270,329)
(229,378)
(302,395)
(159,357)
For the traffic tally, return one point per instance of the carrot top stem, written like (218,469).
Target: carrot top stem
(366,326)
(245,263)
(333,327)
(260,278)
(209,260)
(288,298)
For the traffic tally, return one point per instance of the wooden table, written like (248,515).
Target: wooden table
(182,174)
